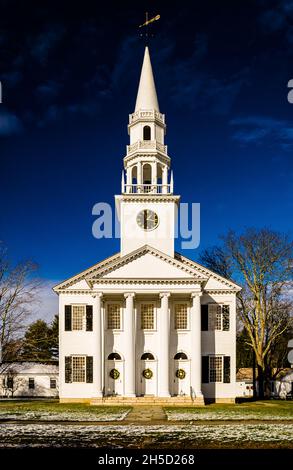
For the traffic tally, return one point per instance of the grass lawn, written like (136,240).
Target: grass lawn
(52,409)
(260,410)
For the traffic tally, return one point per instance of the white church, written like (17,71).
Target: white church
(147,324)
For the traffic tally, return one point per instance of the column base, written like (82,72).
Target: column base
(99,394)
(164,395)
(129,395)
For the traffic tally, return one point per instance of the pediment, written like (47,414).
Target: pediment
(147,263)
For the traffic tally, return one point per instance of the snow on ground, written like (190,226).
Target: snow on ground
(57,435)
(224,415)
(117,415)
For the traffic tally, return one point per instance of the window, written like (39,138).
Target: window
(180,316)
(215,317)
(113,317)
(216,369)
(78,369)
(78,316)
(146,133)
(180,355)
(218,317)
(147,316)
(53,383)
(31,383)
(114,357)
(147,357)
(9,382)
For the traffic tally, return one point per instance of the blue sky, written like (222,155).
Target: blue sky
(69,79)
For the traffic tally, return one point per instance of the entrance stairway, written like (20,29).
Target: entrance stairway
(148,400)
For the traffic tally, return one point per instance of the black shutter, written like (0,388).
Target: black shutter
(205,369)
(89,318)
(68,317)
(226,317)
(68,369)
(227,379)
(204,317)
(89,369)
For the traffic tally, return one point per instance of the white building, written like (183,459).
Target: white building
(28,379)
(147,322)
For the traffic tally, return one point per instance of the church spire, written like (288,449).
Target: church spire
(147,95)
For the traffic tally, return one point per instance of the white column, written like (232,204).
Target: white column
(164,338)
(139,177)
(98,355)
(129,351)
(165,180)
(196,344)
(154,177)
(128,180)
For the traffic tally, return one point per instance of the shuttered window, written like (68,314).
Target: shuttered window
(68,369)
(215,317)
(78,317)
(216,369)
(227,374)
(89,318)
(89,369)
(204,317)
(67,317)
(226,317)
(218,317)
(205,369)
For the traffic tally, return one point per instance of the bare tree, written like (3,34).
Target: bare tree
(260,261)
(18,293)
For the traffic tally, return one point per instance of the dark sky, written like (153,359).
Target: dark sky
(69,73)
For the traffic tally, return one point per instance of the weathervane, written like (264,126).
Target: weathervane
(147,23)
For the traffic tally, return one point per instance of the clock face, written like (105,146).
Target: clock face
(147,219)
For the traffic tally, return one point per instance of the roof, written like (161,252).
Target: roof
(147,95)
(28,368)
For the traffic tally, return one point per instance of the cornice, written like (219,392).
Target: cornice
(206,271)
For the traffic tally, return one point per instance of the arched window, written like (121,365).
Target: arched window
(147,356)
(114,356)
(147,173)
(146,133)
(180,355)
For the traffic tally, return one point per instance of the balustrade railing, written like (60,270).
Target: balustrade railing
(147,189)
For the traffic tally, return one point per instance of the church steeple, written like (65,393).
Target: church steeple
(147,162)
(147,95)
(147,206)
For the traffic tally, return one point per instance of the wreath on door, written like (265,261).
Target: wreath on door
(147,373)
(114,374)
(180,374)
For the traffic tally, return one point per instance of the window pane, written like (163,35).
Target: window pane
(147,316)
(78,314)
(215,317)
(113,317)
(216,368)
(181,316)
(78,369)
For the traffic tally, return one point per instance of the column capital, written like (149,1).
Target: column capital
(196,294)
(97,295)
(129,294)
(164,294)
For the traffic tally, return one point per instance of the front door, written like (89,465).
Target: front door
(181,377)
(148,377)
(114,383)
